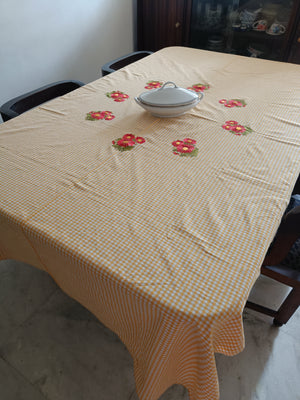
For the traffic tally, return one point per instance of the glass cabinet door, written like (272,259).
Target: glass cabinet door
(254,28)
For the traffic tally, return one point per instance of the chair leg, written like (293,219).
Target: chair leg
(288,307)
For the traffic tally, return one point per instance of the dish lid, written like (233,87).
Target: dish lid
(168,96)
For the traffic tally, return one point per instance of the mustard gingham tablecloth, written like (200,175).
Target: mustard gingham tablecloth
(157,226)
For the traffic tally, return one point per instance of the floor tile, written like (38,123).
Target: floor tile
(268,368)
(293,327)
(14,386)
(67,354)
(23,289)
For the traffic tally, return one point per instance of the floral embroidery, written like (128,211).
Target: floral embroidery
(185,147)
(117,96)
(233,103)
(127,142)
(140,140)
(236,128)
(94,115)
(199,87)
(153,85)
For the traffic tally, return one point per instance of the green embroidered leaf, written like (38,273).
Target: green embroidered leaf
(241,101)
(194,153)
(89,118)
(248,129)
(122,148)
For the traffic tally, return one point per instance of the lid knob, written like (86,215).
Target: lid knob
(168,83)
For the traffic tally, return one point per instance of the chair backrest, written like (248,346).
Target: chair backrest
(27,101)
(296,189)
(286,237)
(122,62)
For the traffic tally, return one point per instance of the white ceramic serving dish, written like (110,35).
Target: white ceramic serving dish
(168,101)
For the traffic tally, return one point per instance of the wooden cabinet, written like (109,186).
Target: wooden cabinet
(294,54)
(222,25)
(293,50)
(163,23)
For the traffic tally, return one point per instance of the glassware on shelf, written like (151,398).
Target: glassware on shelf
(213,16)
(248,17)
(216,43)
(255,28)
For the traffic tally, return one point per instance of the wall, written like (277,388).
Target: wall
(43,41)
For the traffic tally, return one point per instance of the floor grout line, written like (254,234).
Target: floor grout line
(38,308)
(24,377)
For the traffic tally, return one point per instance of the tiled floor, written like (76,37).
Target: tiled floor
(52,348)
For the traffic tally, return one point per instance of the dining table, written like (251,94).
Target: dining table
(158,226)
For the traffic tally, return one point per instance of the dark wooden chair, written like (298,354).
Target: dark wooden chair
(282,263)
(122,62)
(296,189)
(27,101)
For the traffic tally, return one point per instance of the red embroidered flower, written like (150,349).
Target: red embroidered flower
(125,143)
(229,104)
(189,141)
(231,123)
(233,103)
(96,115)
(153,85)
(185,148)
(238,129)
(114,95)
(238,103)
(128,136)
(177,143)
(199,87)
(119,99)
(140,140)
(227,127)
(117,96)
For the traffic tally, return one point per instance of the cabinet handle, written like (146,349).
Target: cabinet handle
(177,25)
(298,40)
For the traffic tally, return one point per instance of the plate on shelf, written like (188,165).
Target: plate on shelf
(274,34)
(276,29)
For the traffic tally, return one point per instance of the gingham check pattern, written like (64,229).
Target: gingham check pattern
(162,249)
